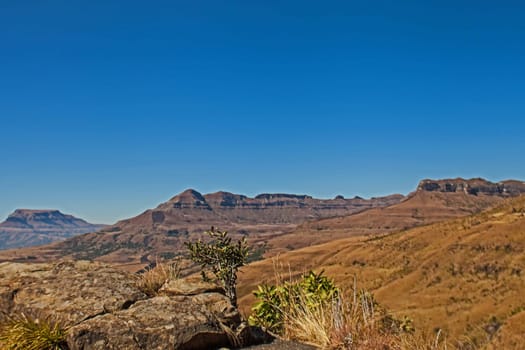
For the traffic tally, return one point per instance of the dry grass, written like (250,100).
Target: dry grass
(26,333)
(154,278)
(351,320)
(351,324)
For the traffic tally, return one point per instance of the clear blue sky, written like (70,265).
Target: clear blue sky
(111,107)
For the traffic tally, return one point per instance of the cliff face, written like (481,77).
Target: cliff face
(473,186)
(191,211)
(26,227)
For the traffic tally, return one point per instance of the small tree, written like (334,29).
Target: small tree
(223,257)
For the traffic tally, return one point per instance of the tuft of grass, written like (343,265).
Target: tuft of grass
(154,278)
(23,332)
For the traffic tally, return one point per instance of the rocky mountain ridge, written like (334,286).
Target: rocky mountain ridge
(30,227)
(161,231)
(187,209)
(475,186)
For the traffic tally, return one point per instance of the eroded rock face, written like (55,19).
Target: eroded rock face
(105,309)
(474,187)
(74,291)
(178,322)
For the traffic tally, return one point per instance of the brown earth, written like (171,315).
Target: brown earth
(463,276)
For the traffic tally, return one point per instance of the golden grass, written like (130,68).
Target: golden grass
(347,321)
(351,324)
(26,333)
(154,278)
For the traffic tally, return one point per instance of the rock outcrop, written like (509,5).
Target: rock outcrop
(104,309)
(474,187)
(27,227)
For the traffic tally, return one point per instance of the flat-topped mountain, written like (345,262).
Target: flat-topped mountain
(28,227)
(474,186)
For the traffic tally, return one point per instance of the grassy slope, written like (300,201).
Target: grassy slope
(419,208)
(454,275)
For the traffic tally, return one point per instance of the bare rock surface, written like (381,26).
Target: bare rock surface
(75,291)
(104,308)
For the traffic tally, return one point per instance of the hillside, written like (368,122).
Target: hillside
(464,276)
(26,227)
(432,201)
(160,232)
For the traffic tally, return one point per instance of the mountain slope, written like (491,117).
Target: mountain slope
(433,201)
(464,276)
(26,227)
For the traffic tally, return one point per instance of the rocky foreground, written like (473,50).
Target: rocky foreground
(103,308)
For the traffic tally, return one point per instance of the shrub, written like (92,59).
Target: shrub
(313,310)
(154,278)
(275,302)
(26,333)
(223,257)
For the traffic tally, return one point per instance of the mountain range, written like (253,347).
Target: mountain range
(273,222)
(161,232)
(450,255)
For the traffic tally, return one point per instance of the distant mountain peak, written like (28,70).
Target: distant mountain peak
(29,227)
(189,198)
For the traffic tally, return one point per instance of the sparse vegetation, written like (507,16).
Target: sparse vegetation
(276,301)
(257,253)
(313,310)
(154,278)
(23,332)
(223,257)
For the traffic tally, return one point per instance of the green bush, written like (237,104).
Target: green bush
(274,302)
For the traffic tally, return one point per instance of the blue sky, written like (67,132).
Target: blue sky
(108,108)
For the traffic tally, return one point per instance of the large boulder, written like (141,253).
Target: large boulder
(104,308)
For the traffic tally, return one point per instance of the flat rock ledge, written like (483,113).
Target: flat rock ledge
(104,309)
